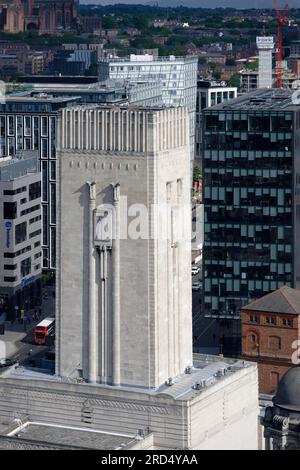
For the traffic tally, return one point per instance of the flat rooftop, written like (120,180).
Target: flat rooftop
(214,84)
(149,58)
(38,98)
(207,371)
(265,99)
(65,437)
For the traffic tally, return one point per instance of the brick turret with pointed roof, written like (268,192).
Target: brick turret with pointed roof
(270,331)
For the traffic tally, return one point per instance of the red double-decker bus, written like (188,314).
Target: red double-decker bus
(43,330)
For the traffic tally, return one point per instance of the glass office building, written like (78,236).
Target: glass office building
(251,185)
(29,123)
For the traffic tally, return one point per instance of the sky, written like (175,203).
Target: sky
(203,3)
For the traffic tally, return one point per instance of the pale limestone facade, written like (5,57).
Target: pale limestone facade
(221,415)
(124,307)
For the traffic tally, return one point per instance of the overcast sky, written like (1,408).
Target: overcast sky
(203,3)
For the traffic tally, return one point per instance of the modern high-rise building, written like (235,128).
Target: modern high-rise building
(178,76)
(209,93)
(29,123)
(251,201)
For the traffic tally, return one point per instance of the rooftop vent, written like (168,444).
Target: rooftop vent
(169,382)
(221,372)
(200,385)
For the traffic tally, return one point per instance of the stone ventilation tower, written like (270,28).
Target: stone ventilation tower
(265,46)
(124,286)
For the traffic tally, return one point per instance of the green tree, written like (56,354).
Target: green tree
(216,75)
(234,80)
(252,65)
(197,175)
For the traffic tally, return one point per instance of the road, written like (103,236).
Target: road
(20,344)
(205,330)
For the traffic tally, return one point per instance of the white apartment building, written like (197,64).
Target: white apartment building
(178,76)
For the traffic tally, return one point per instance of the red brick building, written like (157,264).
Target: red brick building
(270,327)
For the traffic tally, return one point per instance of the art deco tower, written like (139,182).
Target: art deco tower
(123,284)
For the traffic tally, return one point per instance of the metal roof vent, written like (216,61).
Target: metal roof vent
(221,372)
(200,385)
(169,382)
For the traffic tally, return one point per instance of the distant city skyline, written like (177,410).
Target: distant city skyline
(241,4)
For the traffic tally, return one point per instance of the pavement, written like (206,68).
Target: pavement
(18,344)
(205,330)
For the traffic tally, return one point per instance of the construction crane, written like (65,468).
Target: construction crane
(282,19)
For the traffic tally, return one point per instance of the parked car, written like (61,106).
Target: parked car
(196,286)
(6,363)
(195,270)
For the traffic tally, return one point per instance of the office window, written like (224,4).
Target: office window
(27,145)
(44,126)
(53,203)
(35,233)
(10,210)
(11,146)
(34,191)
(45,258)
(53,246)
(20,232)
(25,267)
(27,126)
(10,267)
(45,224)
(10,278)
(35,133)
(44,150)
(45,181)
(52,170)
(53,137)
(11,125)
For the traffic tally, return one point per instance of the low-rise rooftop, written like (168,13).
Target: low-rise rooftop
(36,434)
(283,300)
(265,99)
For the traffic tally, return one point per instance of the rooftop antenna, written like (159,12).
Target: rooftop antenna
(282,19)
